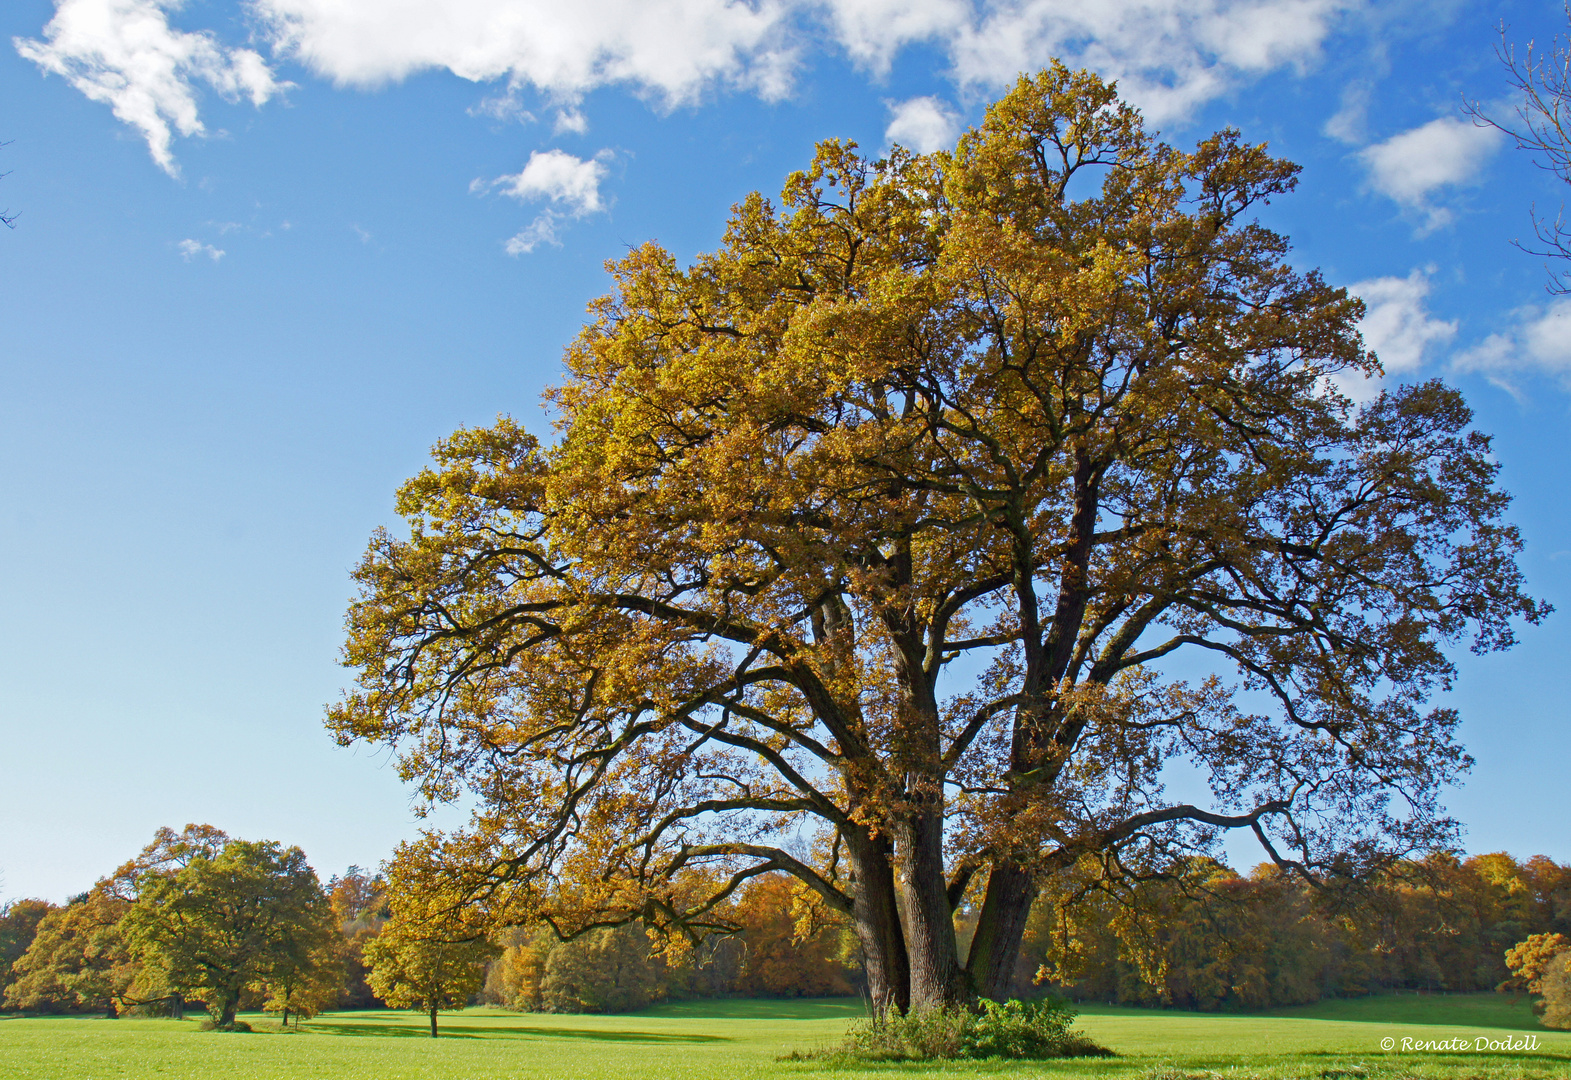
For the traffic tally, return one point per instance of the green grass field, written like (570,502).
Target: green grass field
(741,1039)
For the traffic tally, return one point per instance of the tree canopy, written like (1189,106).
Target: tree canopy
(222,915)
(413,968)
(901,543)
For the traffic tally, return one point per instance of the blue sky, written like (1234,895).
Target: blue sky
(268,253)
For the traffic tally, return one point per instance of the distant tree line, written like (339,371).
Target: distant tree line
(239,925)
(198,917)
(1208,938)
(789,945)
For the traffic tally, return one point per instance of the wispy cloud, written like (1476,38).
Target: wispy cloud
(506,107)
(570,120)
(190,249)
(1413,167)
(125,54)
(1538,344)
(542,230)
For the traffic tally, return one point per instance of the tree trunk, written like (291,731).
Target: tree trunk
(937,980)
(110,1012)
(229,1004)
(433,1021)
(177,1006)
(286,1016)
(995,947)
(877,917)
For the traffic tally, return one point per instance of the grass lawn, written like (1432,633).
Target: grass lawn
(739,1039)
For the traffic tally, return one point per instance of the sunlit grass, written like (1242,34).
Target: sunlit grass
(1339,1039)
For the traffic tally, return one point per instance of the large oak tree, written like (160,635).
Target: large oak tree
(216,916)
(901,543)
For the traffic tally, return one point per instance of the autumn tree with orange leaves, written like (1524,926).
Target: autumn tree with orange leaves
(901,542)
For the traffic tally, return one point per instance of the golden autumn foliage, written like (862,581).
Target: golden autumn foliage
(411,968)
(1204,937)
(77,958)
(1529,961)
(870,540)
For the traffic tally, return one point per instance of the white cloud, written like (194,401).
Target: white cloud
(873,31)
(1540,343)
(1169,56)
(570,184)
(923,124)
(570,120)
(1415,165)
(1398,327)
(190,249)
(125,54)
(559,177)
(673,48)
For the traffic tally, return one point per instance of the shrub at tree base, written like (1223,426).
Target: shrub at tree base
(1030,1030)
(233,1025)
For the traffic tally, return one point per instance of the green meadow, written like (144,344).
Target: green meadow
(1334,1039)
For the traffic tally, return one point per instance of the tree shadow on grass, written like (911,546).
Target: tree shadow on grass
(511,1032)
(389,1031)
(762,1009)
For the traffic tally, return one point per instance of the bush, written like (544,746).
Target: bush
(923,1036)
(214,1025)
(1020,1029)
(1030,1030)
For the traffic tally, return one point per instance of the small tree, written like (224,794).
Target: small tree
(307,974)
(1542,965)
(412,970)
(231,920)
(305,989)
